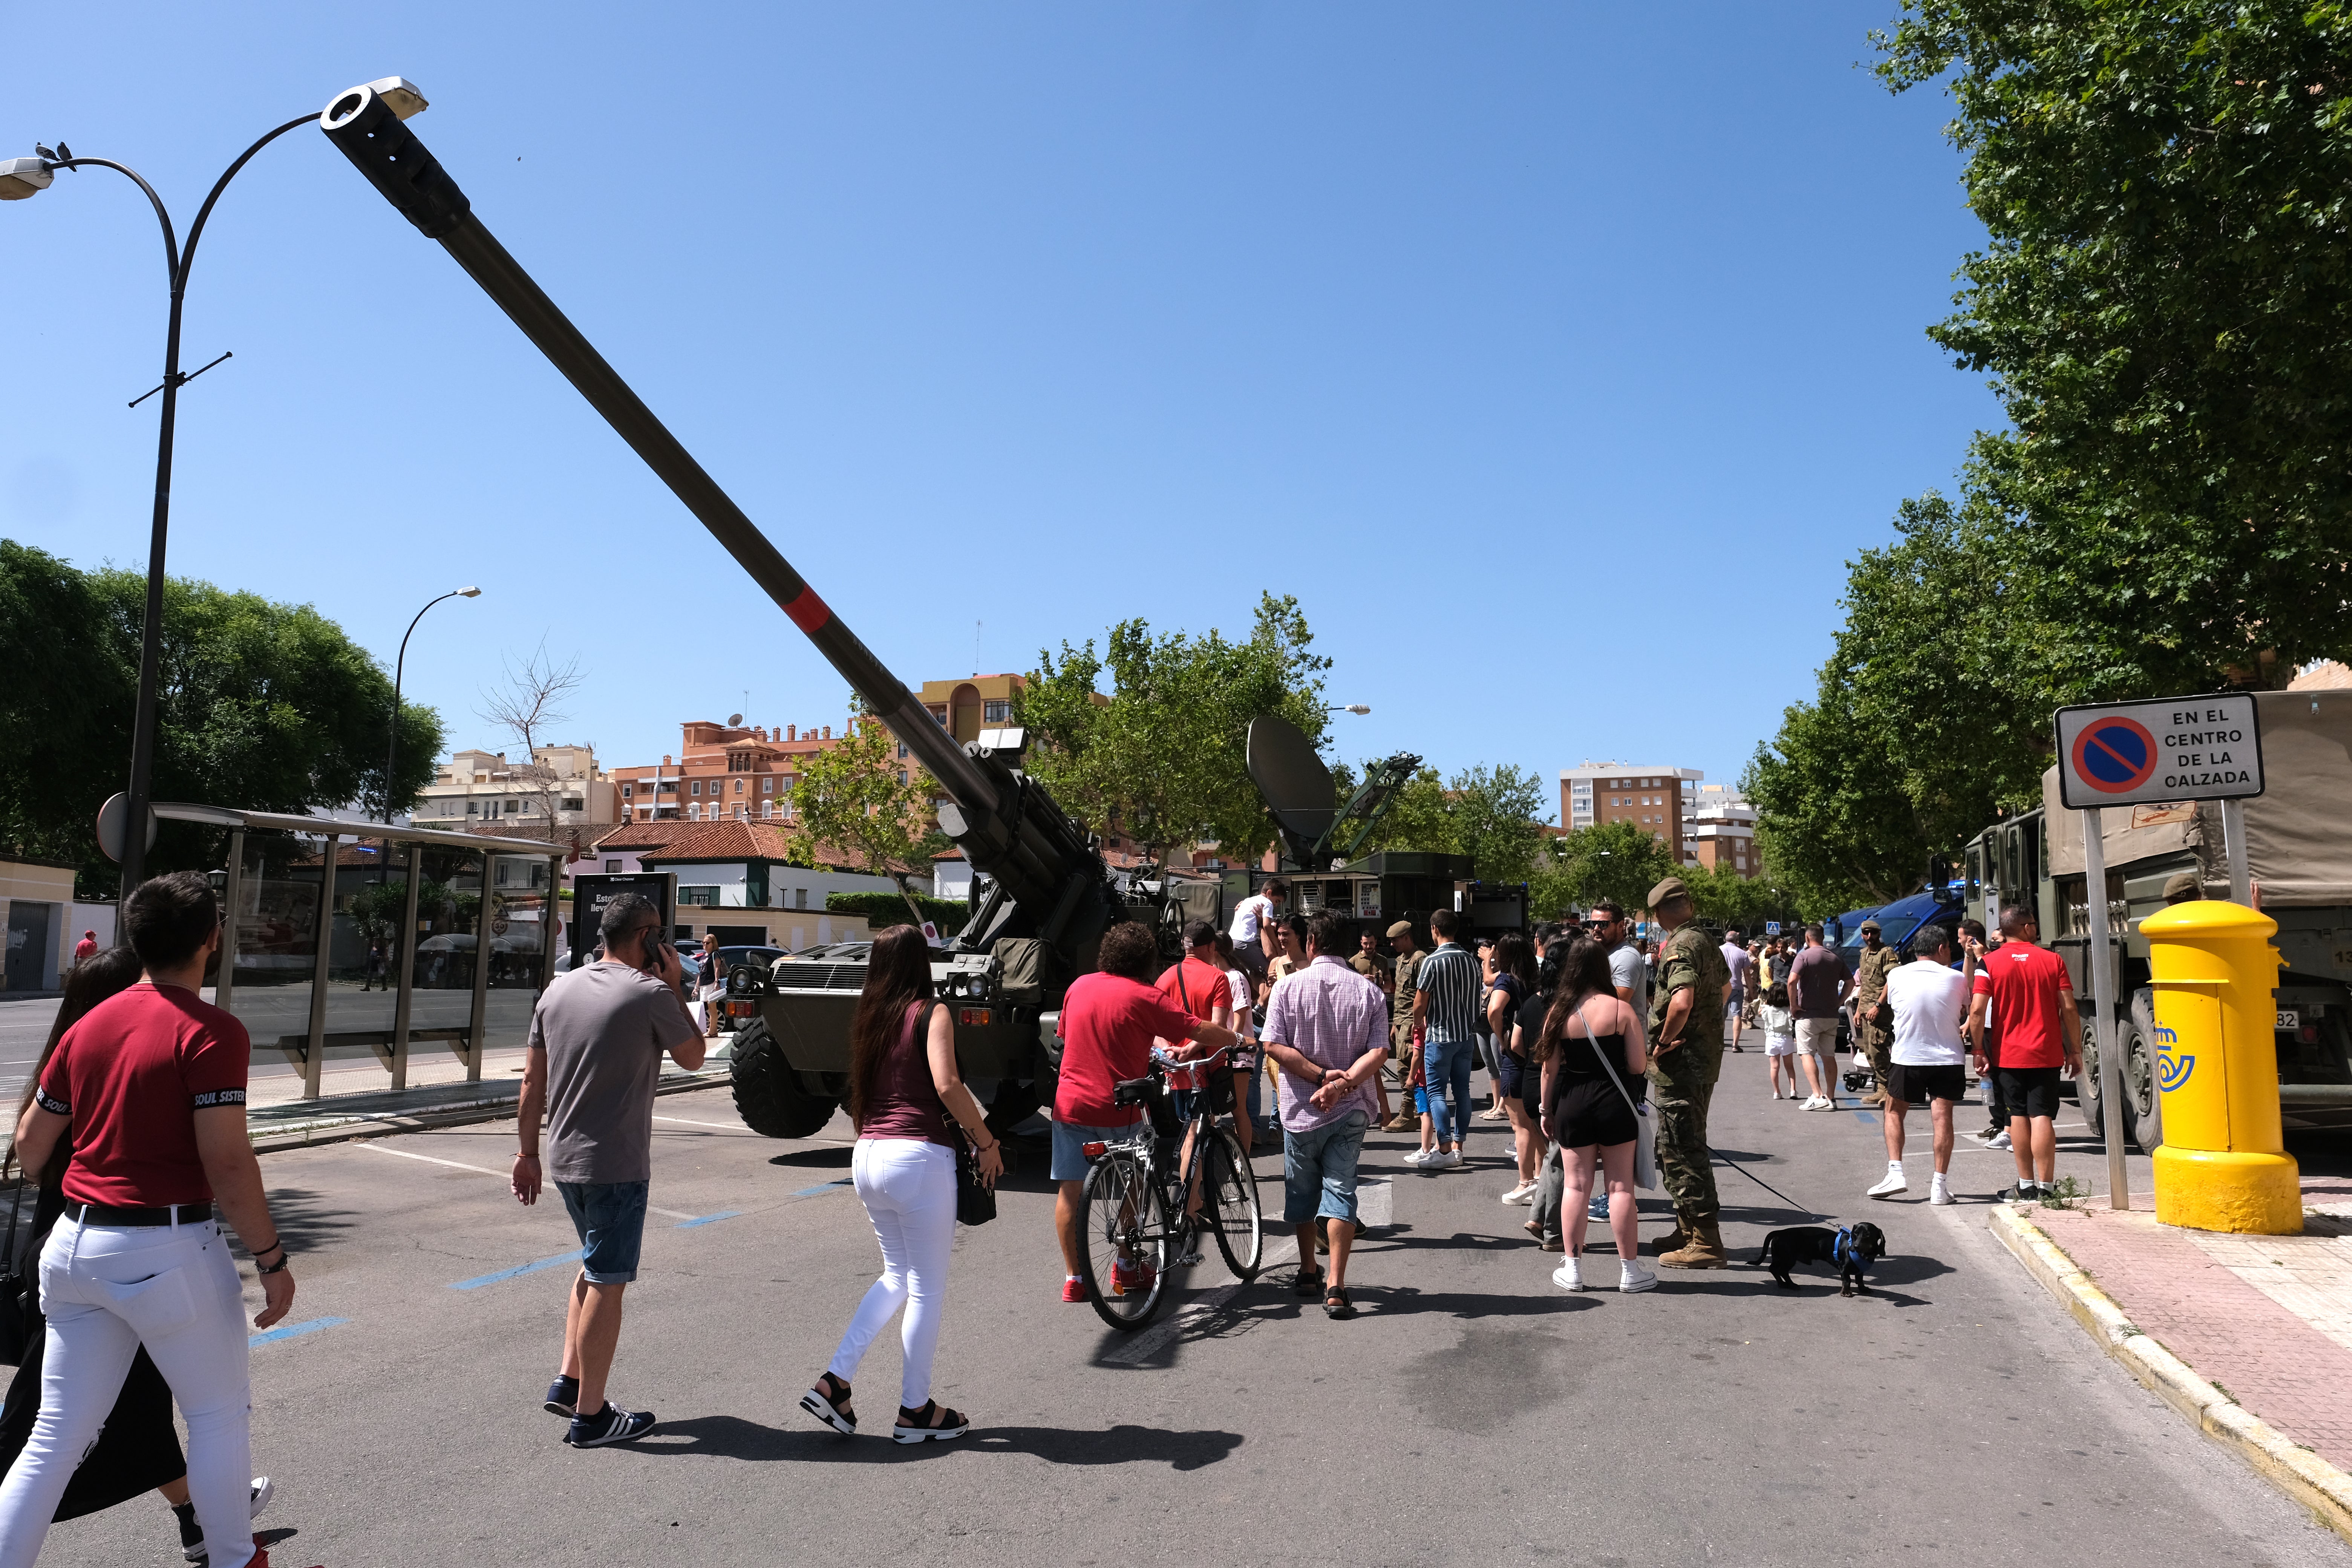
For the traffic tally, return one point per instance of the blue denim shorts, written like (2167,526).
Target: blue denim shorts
(1070,1139)
(610,1217)
(1318,1170)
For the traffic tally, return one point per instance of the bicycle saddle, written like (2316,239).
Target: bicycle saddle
(1134,1090)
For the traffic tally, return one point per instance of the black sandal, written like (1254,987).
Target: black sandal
(1336,1305)
(831,1407)
(933,1422)
(1308,1285)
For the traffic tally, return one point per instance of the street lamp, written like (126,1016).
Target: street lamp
(1351,708)
(23,177)
(399,668)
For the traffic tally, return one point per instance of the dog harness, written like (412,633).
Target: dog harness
(1841,1248)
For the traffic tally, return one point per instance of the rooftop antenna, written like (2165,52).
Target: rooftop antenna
(975,650)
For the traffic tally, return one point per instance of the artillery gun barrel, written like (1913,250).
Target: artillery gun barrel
(364,127)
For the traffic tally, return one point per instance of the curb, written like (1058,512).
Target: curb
(488,1109)
(2301,1474)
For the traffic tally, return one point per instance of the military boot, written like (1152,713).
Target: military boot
(1677,1238)
(1703,1250)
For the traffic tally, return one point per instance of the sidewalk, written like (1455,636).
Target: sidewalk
(2249,1335)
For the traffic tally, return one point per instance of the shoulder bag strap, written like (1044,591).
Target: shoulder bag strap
(1607,1066)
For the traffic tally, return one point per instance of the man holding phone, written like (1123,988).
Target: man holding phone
(596,1045)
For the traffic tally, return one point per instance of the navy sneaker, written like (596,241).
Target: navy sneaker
(562,1396)
(614,1425)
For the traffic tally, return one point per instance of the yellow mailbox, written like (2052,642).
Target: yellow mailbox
(2221,1165)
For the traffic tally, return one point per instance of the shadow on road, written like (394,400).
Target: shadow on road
(833,1155)
(732,1438)
(303,1216)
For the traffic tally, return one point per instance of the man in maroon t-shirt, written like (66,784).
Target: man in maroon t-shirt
(1109,1021)
(2027,987)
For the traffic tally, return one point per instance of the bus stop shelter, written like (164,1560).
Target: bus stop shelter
(449,936)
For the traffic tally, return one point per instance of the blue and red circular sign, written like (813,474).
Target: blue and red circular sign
(2115,755)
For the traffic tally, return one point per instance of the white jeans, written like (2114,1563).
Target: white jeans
(107,1291)
(909,1188)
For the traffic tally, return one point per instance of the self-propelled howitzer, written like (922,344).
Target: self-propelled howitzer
(1049,894)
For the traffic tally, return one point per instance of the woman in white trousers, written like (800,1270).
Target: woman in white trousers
(903,1090)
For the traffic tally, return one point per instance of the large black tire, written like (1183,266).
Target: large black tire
(768,1092)
(2143,1101)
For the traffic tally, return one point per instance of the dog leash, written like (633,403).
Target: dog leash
(1768,1186)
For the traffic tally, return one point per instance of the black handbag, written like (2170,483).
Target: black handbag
(975,1200)
(19,1286)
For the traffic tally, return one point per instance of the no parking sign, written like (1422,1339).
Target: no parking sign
(2183,748)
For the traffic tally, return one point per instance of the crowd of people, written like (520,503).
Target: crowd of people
(1604,1054)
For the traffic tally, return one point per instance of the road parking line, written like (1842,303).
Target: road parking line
(708,1219)
(557,1261)
(690,1121)
(824,1186)
(290,1330)
(485,1171)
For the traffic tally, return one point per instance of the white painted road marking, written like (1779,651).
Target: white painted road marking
(485,1171)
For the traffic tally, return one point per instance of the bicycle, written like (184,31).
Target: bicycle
(1138,1218)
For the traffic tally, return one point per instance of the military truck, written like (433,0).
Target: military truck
(2299,854)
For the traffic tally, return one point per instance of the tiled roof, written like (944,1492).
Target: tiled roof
(646,835)
(741,841)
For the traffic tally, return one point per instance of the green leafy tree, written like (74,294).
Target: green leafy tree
(857,799)
(261,705)
(1620,861)
(1488,814)
(2164,306)
(1161,757)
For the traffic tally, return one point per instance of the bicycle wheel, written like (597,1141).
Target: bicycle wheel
(1232,1189)
(1123,1254)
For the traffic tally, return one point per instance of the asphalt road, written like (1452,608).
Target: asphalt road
(1473,1414)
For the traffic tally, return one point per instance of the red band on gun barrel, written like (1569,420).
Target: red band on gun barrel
(809,611)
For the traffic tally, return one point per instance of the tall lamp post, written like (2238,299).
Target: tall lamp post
(23,177)
(400,667)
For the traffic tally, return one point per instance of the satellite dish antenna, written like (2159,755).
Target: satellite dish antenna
(733,719)
(1296,784)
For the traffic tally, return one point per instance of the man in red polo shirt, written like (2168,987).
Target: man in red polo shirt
(2027,988)
(1109,1019)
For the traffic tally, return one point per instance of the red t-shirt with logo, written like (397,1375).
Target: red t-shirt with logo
(1108,1022)
(2034,1001)
(131,1074)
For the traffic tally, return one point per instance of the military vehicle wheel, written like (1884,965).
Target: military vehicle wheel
(2143,1102)
(2086,1088)
(768,1092)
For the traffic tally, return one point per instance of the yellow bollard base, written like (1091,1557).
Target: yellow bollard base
(2215,1189)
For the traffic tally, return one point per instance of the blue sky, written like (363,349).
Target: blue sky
(1555,357)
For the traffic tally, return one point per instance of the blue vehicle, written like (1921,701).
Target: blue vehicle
(1899,921)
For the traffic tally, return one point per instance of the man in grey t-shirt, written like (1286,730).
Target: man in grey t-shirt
(596,1042)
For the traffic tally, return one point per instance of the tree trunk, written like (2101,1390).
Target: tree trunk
(914,907)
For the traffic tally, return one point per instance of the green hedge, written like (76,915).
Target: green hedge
(883,911)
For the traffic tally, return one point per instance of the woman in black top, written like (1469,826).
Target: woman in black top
(1593,1054)
(1514,983)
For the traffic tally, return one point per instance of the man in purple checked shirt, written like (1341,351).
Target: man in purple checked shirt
(1326,1030)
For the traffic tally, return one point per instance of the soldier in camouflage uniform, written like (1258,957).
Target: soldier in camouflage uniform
(1407,984)
(1685,1029)
(1871,1039)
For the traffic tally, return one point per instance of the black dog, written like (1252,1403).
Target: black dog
(1849,1251)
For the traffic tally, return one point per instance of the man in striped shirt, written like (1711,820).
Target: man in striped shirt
(1446,1011)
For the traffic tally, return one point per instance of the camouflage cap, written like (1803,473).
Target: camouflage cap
(1402,928)
(2182,885)
(1871,925)
(1672,887)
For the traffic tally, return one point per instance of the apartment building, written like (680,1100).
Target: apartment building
(1646,793)
(721,772)
(1719,829)
(560,791)
(964,707)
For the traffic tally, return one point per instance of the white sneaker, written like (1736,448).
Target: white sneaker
(1634,1277)
(1818,1103)
(1444,1160)
(1999,1140)
(1524,1193)
(1420,1156)
(1569,1276)
(1890,1184)
(1939,1190)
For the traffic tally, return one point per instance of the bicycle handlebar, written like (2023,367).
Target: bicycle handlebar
(1167,1058)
